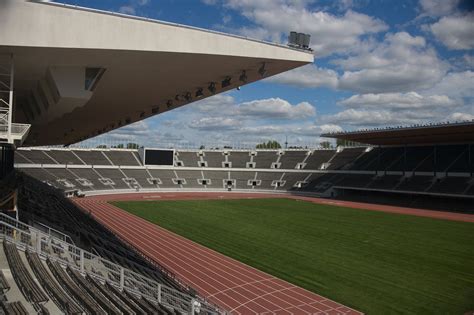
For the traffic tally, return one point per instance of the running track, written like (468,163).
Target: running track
(234,286)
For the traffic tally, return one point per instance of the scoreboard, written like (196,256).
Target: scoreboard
(157,157)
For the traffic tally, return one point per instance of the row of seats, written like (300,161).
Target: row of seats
(77,157)
(27,285)
(61,299)
(110,179)
(40,203)
(429,184)
(71,287)
(441,158)
(13,308)
(72,292)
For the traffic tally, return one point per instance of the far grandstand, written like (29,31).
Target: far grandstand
(392,167)
(374,221)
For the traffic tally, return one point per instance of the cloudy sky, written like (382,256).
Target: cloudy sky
(377,63)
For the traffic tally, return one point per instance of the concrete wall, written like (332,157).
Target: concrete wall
(33,24)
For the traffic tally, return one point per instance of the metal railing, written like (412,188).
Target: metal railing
(29,238)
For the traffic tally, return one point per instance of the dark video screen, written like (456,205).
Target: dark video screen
(159,157)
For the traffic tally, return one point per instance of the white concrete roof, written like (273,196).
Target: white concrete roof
(146,62)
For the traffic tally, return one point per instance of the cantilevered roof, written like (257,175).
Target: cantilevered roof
(81,72)
(442,133)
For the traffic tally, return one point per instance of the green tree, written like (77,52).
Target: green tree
(269,145)
(101,146)
(326,144)
(132,145)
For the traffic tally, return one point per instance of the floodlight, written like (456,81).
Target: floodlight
(199,93)
(243,77)
(188,96)
(262,70)
(226,82)
(212,87)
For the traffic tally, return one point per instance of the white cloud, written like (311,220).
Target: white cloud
(127,9)
(469,60)
(455,32)
(366,117)
(131,7)
(209,2)
(400,63)
(226,18)
(276,108)
(330,128)
(460,117)
(394,109)
(215,123)
(308,76)
(140,128)
(270,108)
(221,119)
(331,33)
(410,100)
(436,8)
(455,84)
(214,103)
(305,131)
(345,4)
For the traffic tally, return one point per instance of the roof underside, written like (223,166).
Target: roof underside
(430,134)
(148,67)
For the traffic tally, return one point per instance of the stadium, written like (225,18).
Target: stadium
(380,224)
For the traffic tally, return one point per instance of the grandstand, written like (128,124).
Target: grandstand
(56,257)
(442,169)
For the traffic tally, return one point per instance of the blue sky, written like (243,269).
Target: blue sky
(377,63)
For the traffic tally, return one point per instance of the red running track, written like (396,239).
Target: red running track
(234,286)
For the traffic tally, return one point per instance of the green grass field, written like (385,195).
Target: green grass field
(379,263)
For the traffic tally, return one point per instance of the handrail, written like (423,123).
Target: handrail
(24,235)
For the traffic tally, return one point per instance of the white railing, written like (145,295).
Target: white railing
(31,239)
(53,232)
(17,131)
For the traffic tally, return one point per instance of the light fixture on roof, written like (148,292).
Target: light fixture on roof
(212,87)
(299,40)
(226,82)
(199,93)
(178,97)
(169,103)
(142,114)
(262,71)
(243,77)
